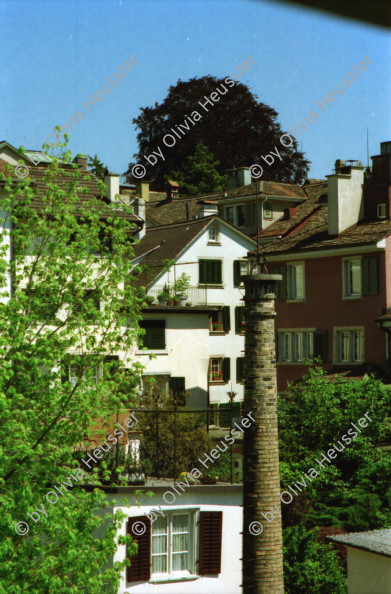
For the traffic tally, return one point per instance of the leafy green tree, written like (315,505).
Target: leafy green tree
(60,328)
(97,167)
(238,130)
(353,491)
(192,439)
(199,174)
(310,566)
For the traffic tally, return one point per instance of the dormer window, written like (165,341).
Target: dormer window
(213,234)
(381,211)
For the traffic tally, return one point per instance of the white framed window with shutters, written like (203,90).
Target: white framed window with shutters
(349,345)
(295,281)
(178,546)
(359,277)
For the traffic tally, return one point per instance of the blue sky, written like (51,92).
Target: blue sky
(56,53)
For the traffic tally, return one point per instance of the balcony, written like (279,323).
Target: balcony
(194,295)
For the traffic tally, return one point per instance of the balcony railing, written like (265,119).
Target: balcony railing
(195,295)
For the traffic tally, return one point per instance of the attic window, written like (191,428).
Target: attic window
(381,211)
(213,234)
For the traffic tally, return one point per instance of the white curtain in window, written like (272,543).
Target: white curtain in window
(159,546)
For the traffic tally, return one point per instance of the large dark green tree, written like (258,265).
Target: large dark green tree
(199,174)
(238,130)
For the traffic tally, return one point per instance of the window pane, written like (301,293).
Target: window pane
(159,564)
(355,277)
(159,544)
(299,280)
(179,542)
(179,562)
(180,523)
(159,526)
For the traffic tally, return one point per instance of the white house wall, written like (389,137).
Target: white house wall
(186,353)
(232,246)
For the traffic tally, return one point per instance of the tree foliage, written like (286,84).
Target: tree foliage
(310,566)
(238,130)
(199,174)
(354,490)
(192,440)
(70,284)
(97,167)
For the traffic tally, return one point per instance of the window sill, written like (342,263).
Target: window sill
(218,332)
(210,286)
(350,297)
(213,242)
(152,351)
(216,383)
(348,363)
(294,363)
(174,578)
(301,300)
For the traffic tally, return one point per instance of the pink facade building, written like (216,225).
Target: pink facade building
(334,252)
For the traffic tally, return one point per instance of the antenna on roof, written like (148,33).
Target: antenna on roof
(367,148)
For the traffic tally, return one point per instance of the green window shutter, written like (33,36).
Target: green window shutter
(220,210)
(369,276)
(236,273)
(239,319)
(202,272)
(210,272)
(320,345)
(226,369)
(217,272)
(226,318)
(250,214)
(239,369)
(281,286)
(155,334)
(177,384)
(277,343)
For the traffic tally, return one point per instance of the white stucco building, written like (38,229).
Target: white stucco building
(194,549)
(200,342)
(369,561)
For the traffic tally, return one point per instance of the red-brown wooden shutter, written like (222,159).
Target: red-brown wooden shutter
(140,568)
(211,524)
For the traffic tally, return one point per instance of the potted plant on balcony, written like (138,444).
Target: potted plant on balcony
(164,296)
(181,286)
(217,326)
(210,478)
(149,299)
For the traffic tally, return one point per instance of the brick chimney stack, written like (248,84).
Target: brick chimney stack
(262,553)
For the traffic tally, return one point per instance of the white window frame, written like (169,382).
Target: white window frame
(216,366)
(294,291)
(347,282)
(349,338)
(193,515)
(213,237)
(297,345)
(381,210)
(73,378)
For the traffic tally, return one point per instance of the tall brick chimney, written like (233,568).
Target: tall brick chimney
(262,549)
